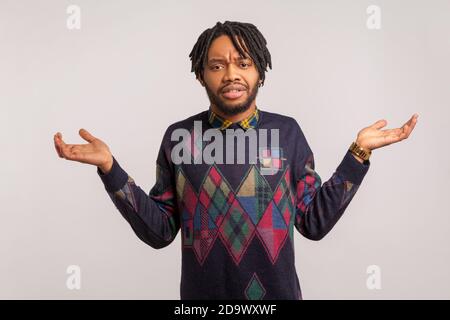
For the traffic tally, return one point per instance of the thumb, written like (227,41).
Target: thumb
(379,124)
(86,135)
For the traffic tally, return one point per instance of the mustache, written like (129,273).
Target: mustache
(234,86)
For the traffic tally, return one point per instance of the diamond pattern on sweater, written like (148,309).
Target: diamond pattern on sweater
(285,201)
(272,230)
(205,232)
(216,195)
(255,289)
(187,203)
(306,187)
(217,212)
(236,231)
(254,194)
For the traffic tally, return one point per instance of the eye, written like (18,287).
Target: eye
(245,64)
(216,67)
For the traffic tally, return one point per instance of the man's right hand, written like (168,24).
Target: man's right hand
(96,152)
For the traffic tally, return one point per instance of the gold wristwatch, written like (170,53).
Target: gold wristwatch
(359,151)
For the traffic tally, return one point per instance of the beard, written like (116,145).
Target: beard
(228,109)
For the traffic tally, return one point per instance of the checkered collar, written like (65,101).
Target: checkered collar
(218,122)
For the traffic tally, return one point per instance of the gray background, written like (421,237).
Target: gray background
(125,76)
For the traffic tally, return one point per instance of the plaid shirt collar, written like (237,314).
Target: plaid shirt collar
(218,122)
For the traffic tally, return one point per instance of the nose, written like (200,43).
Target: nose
(232,74)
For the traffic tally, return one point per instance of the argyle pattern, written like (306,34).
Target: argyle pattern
(237,224)
(255,290)
(236,215)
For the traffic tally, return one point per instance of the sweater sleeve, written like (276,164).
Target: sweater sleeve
(319,206)
(153,217)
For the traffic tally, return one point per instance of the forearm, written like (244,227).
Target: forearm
(319,211)
(151,220)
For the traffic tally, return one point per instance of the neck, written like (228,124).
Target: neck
(236,117)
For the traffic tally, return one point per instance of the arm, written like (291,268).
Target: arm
(153,217)
(319,206)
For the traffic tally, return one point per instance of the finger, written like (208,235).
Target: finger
(65,149)
(57,147)
(398,134)
(404,131)
(392,131)
(379,124)
(407,123)
(412,119)
(86,135)
(411,125)
(58,142)
(59,139)
(62,144)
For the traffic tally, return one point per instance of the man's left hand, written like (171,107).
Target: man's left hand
(373,137)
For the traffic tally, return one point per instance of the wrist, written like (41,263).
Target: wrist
(362,145)
(359,152)
(361,160)
(106,167)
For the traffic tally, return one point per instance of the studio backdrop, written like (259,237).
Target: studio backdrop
(120,69)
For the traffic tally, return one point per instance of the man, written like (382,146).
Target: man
(236,218)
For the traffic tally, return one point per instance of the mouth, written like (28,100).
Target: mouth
(233,94)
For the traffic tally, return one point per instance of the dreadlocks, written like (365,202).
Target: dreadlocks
(253,40)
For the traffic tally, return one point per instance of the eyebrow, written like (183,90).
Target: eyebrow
(222,59)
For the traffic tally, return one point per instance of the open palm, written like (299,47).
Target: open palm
(373,137)
(95,152)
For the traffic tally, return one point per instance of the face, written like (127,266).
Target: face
(226,69)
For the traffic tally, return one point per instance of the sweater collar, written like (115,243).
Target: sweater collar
(218,122)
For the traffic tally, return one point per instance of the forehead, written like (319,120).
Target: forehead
(222,48)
